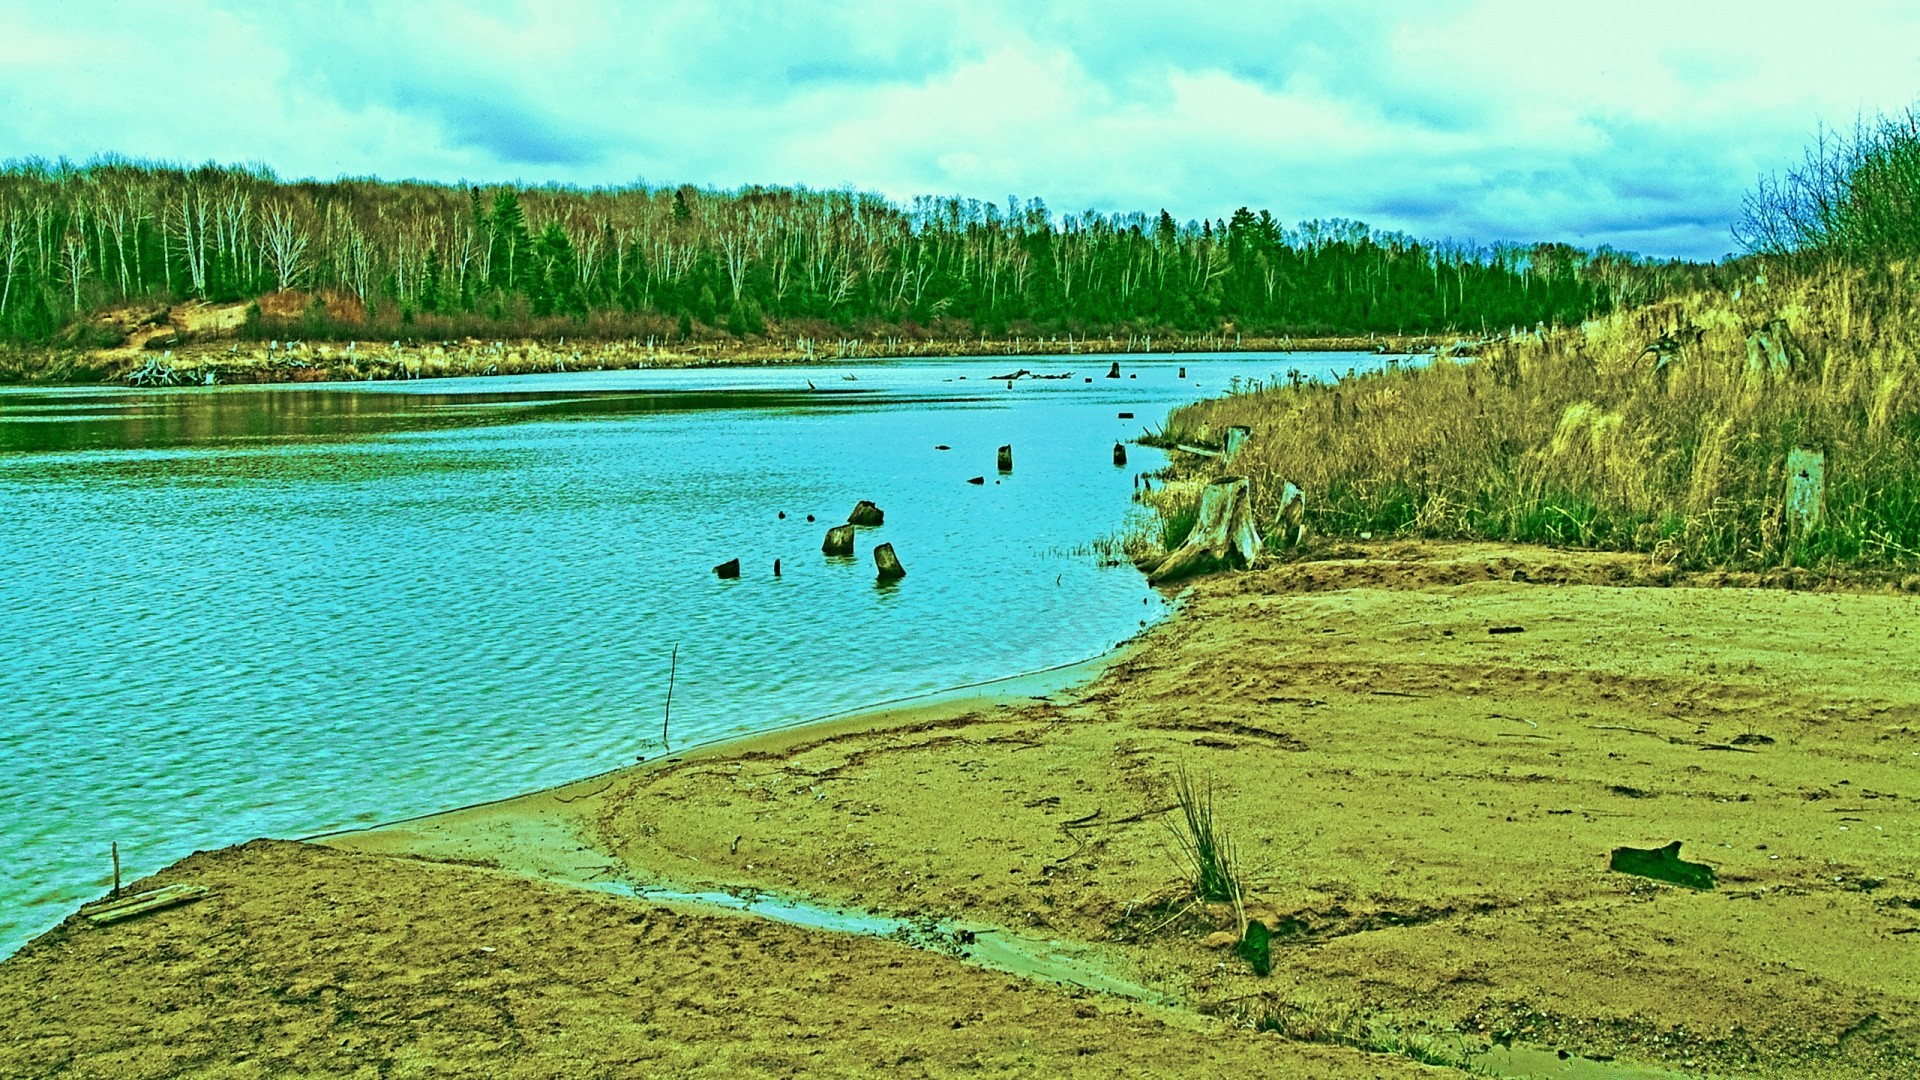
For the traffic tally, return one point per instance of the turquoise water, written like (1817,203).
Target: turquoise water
(236,612)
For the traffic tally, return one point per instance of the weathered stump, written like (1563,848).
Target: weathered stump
(1806,488)
(976,480)
(839,541)
(1223,536)
(1120,454)
(1236,438)
(1005,458)
(867,514)
(728,569)
(1290,520)
(1183,373)
(1114,371)
(776,568)
(888,563)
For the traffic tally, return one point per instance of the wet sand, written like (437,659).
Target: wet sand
(1423,809)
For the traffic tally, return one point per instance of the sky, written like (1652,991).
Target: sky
(1631,124)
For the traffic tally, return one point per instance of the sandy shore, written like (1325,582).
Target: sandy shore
(1424,812)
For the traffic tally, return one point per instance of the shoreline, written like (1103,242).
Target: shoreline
(911,708)
(230,361)
(1424,810)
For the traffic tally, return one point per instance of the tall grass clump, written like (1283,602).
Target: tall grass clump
(1662,429)
(1206,850)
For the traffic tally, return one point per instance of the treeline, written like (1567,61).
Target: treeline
(408,259)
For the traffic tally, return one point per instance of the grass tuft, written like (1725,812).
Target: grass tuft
(1206,849)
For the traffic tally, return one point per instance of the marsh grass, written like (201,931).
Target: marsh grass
(1663,429)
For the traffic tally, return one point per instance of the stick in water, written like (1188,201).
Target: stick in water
(116,869)
(673,664)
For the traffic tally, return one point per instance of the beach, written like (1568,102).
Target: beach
(1423,811)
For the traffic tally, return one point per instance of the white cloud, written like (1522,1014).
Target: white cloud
(1637,124)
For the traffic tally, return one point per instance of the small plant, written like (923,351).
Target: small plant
(1206,848)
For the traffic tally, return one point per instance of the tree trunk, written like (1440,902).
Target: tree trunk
(1223,536)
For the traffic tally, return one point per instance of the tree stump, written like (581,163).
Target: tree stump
(728,569)
(1006,458)
(1806,488)
(1236,438)
(839,541)
(1290,520)
(1114,371)
(1222,537)
(1120,454)
(976,480)
(1183,373)
(867,514)
(888,563)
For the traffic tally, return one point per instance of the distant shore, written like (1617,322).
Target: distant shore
(226,360)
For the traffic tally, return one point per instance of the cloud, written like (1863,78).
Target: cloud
(1636,124)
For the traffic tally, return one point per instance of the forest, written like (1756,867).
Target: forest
(371,258)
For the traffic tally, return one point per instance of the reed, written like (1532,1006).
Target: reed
(1662,429)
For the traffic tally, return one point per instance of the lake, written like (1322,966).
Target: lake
(273,611)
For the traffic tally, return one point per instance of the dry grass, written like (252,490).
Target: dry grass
(1662,429)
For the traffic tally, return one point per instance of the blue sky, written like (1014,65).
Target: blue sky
(1632,124)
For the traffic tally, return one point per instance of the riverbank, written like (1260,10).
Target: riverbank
(197,347)
(1424,811)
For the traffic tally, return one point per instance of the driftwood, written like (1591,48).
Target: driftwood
(867,514)
(888,563)
(113,911)
(1223,536)
(1021,374)
(839,541)
(1006,458)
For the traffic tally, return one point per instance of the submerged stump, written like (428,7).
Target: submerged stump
(1223,536)
(888,563)
(728,569)
(1120,454)
(1005,458)
(1114,371)
(867,514)
(839,541)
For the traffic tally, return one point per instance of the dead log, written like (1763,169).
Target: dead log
(839,541)
(1223,535)
(867,514)
(1006,458)
(888,563)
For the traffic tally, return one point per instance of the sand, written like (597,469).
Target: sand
(1423,811)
